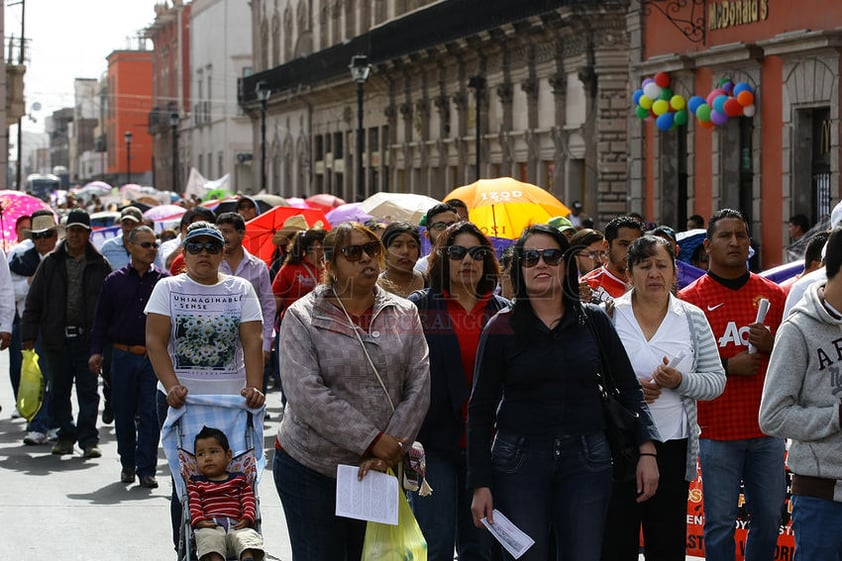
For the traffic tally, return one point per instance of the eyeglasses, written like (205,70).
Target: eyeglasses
(595,255)
(530,257)
(458,252)
(195,248)
(355,252)
(439,226)
(148,245)
(42,235)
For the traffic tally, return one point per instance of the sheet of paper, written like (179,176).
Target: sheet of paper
(375,498)
(510,536)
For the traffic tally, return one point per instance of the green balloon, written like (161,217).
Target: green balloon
(680,117)
(703,112)
(641,112)
(666,94)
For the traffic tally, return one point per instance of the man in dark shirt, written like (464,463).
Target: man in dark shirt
(60,307)
(121,321)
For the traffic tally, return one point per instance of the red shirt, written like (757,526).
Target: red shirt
(603,282)
(733,415)
(232,498)
(178,266)
(294,281)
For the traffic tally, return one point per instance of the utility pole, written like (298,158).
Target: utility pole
(19,170)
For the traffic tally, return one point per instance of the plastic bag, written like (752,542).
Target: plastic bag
(31,389)
(404,542)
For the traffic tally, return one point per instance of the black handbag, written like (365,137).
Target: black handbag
(621,424)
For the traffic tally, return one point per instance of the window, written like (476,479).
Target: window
(220,156)
(374,139)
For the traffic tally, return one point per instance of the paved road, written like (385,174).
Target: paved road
(72,509)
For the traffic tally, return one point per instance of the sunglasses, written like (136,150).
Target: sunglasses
(195,248)
(355,252)
(42,235)
(458,252)
(530,257)
(148,245)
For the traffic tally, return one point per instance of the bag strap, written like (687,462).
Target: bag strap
(604,376)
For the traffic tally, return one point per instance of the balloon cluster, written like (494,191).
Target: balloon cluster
(725,101)
(655,100)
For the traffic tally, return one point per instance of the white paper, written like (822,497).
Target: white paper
(762,309)
(375,498)
(510,536)
(678,358)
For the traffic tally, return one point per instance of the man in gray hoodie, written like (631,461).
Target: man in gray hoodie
(802,399)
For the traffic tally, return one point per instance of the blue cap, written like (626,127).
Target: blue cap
(206,229)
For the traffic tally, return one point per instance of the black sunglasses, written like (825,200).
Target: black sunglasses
(42,235)
(147,245)
(195,248)
(458,252)
(355,252)
(530,257)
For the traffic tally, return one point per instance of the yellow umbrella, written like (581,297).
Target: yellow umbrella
(503,207)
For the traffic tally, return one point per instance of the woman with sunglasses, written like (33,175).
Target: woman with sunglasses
(354,367)
(675,356)
(204,332)
(460,301)
(548,468)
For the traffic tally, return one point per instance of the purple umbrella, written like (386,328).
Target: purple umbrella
(349,212)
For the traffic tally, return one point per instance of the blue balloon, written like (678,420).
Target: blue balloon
(719,103)
(741,87)
(664,122)
(636,96)
(694,102)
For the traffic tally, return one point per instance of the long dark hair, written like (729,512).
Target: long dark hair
(302,242)
(439,263)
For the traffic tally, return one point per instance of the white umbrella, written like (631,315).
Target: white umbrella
(392,207)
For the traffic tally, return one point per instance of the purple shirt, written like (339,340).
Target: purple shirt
(119,310)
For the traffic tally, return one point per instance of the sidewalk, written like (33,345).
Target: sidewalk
(72,509)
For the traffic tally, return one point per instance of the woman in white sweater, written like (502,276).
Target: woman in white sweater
(673,352)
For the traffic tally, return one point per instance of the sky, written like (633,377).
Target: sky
(68,40)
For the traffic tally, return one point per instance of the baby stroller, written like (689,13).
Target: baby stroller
(244,429)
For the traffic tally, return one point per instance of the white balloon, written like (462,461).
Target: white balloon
(652,91)
(749,110)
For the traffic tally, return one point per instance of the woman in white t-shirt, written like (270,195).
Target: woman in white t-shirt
(674,354)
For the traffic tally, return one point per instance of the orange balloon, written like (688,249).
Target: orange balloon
(706,124)
(745,98)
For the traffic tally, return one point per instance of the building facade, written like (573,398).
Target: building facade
(85,120)
(782,161)
(545,82)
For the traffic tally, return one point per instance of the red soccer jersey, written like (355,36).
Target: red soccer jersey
(733,415)
(602,282)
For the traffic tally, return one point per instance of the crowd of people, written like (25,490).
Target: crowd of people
(494,363)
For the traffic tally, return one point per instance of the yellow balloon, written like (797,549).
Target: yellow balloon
(645,102)
(660,107)
(677,102)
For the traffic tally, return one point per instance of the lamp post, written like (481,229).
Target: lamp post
(174,126)
(360,69)
(128,136)
(263,92)
(477,83)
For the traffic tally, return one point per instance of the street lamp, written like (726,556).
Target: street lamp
(263,92)
(174,126)
(128,136)
(477,83)
(360,69)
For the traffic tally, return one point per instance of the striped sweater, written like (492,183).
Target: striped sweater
(232,498)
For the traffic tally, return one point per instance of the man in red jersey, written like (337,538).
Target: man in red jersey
(732,446)
(609,281)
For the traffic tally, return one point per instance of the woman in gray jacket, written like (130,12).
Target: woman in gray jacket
(354,366)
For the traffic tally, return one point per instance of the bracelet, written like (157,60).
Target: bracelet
(648,454)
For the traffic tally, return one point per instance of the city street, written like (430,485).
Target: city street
(72,509)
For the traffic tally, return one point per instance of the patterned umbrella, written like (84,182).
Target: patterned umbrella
(13,205)
(161,213)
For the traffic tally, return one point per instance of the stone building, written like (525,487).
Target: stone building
(546,80)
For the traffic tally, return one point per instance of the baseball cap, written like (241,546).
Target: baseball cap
(666,231)
(78,217)
(131,213)
(577,205)
(561,223)
(204,229)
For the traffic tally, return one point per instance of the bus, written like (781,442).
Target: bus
(41,185)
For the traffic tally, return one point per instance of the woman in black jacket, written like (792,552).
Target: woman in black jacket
(462,275)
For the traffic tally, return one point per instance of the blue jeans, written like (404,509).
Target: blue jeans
(816,523)
(133,389)
(445,516)
(554,484)
(66,367)
(759,464)
(309,501)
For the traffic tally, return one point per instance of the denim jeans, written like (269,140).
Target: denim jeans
(175,505)
(445,516)
(759,464)
(554,484)
(816,523)
(309,502)
(15,357)
(66,367)
(133,389)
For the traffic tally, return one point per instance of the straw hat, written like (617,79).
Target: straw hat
(291,225)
